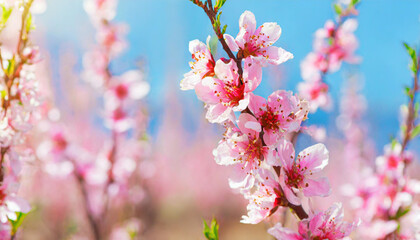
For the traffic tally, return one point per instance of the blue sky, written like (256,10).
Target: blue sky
(161,29)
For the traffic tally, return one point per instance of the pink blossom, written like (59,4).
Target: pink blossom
(392,162)
(327,225)
(296,174)
(203,65)
(109,37)
(281,233)
(377,229)
(312,67)
(32,54)
(118,119)
(264,200)
(129,231)
(257,43)
(347,42)
(324,225)
(5,229)
(343,44)
(10,203)
(130,85)
(243,147)
(101,9)
(316,92)
(318,133)
(95,64)
(279,115)
(227,92)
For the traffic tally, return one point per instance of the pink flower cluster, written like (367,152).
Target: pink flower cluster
(384,198)
(256,141)
(323,225)
(103,166)
(333,44)
(384,195)
(18,113)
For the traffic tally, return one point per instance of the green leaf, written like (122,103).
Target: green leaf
(212,232)
(5,14)
(224,29)
(3,93)
(413,56)
(219,4)
(415,132)
(354,2)
(212,44)
(393,142)
(10,70)
(407,90)
(338,9)
(403,128)
(400,213)
(29,23)
(19,220)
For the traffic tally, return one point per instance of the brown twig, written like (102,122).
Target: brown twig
(94,224)
(212,14)
(411,109)
(409,124)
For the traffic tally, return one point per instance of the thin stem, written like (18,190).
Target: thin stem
(94,225)
(22,28)
(411,110)
(409,126)
(211,13)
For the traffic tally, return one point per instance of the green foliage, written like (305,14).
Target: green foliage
(415,132)
(19,220)
(10,70)
(3,94)
(354,2)
(216,24)
(212,232)
(393,142)
(400,213)
(29,23)
(338,9)
(413,55)
(224,29)
(5,14)
(212,44)
(407,91)
(219,4)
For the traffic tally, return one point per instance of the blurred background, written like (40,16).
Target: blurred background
(189,186)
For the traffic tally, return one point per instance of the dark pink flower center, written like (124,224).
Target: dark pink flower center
(393,161)
(269,120)
(249,49)
(316,91)
(121,91)
(208,70)
(295,176)
(231,94)
(252,153)
(60,143)
(118,114)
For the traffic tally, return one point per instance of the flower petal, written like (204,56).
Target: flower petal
(320,187)
(230,41)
